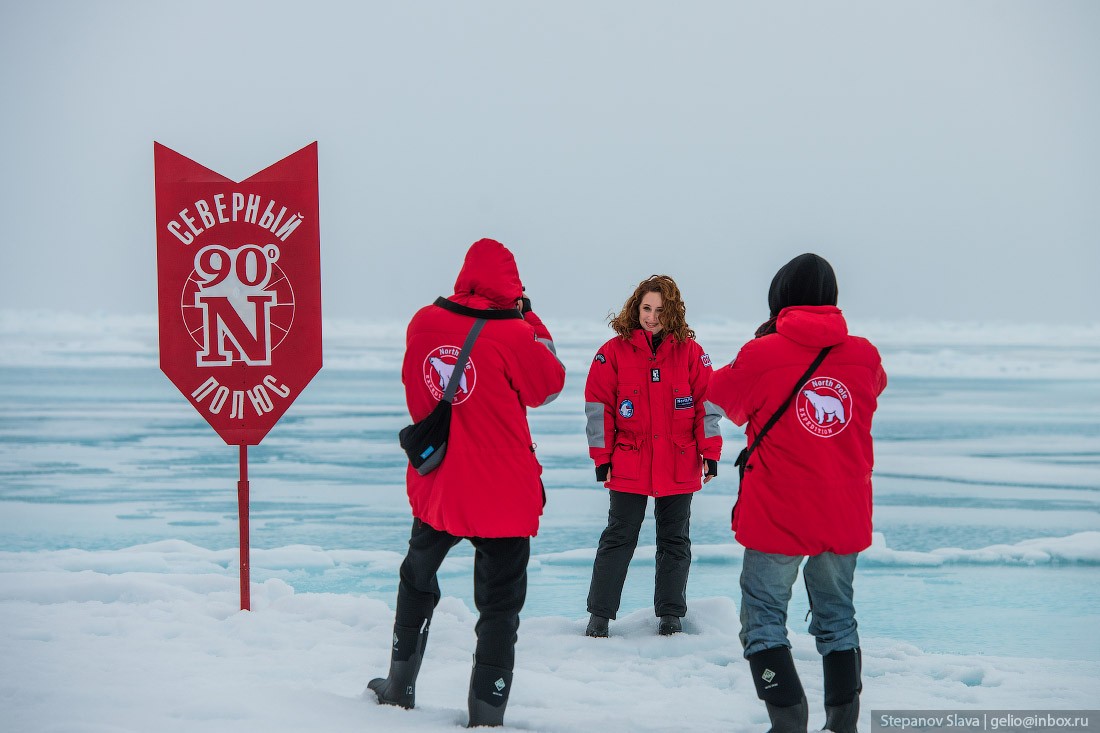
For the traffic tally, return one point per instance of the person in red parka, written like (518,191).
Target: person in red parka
(487,489)
(806,487)
(649,436)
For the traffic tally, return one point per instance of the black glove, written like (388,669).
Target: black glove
(602,470)
(526,307)
(712,466)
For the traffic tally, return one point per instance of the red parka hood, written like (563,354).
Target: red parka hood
(813,325)
(489,277)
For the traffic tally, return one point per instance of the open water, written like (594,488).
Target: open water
(984,440)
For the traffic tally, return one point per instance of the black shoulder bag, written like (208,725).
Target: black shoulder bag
(425,442)
(743,457)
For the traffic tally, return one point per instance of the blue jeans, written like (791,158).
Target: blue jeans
(766,581)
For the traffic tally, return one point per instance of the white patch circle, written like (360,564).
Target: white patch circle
(438,369)
(824,407)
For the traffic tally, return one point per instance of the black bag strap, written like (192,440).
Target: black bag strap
(744,457)
(489,314)
(463,357)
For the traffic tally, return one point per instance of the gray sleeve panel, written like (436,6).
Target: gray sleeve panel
(550,345)
(711,426)
(550,399)
(594,430)
(553,350)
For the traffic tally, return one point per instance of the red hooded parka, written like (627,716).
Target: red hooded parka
(807,486)
(488,484)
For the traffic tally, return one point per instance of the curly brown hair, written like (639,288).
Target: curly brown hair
(673,320)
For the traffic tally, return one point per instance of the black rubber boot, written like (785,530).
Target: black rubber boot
(842,718)
(842,687)
(790,719)
(489,690)
(777,684)
(597,627)
(399,687)
(669,625)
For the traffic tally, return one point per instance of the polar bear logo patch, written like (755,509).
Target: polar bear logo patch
(438,371)
(824,406)
(444,371)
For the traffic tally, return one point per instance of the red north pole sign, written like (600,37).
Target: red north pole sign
(239,283)
(239,296)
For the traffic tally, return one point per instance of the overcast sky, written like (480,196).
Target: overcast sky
(944,156)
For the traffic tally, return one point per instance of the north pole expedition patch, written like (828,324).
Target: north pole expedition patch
(685,403)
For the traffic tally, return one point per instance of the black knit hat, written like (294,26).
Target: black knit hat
(805,280)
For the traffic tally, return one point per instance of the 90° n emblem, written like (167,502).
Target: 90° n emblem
(237,304)
(626,408)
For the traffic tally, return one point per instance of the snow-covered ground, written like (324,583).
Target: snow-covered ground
(150,638)
(118,560)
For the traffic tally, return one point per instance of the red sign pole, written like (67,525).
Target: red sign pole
(239,296)
(242,511)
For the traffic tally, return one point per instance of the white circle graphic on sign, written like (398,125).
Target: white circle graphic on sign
(237,304)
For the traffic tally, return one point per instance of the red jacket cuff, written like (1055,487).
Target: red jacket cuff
(537,324)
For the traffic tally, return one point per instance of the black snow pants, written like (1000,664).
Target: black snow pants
(617,543)
(500,587)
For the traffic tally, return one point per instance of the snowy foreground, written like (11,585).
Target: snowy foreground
(151,639)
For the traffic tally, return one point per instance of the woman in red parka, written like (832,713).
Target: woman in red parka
(806,489)
(649,435)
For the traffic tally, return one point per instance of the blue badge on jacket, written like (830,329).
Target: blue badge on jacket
(685,403)
(626,408)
